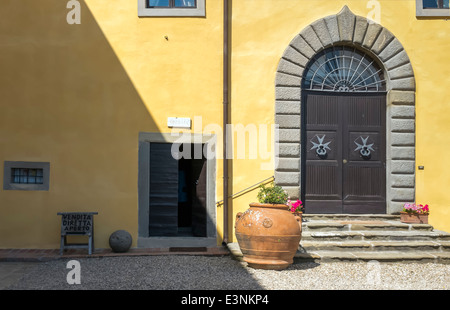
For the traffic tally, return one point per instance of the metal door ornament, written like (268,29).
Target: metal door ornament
(364,148)
(320,147)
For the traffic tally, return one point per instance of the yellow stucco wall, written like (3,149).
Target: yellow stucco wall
(262,29)
(77,96)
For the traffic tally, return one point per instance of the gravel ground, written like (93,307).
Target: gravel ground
(224,273)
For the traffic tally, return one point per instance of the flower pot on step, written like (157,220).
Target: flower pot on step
(268,236)
(413,218)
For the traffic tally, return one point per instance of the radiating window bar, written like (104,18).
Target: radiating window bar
(343,69)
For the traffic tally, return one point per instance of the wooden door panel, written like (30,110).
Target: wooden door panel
(364,173)
(324,206)
(323,182)
(322,110)
(163,208)
(363,111)
(364,184)
(323,154)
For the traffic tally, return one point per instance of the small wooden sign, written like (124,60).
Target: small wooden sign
(76,223)
(80,224)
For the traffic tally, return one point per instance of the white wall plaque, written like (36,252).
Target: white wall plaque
(179,122)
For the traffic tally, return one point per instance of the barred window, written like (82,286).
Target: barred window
(27,176)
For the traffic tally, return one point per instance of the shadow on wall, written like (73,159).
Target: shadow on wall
(67,100)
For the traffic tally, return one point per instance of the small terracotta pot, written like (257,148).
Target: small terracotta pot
(268,235)
(410,218)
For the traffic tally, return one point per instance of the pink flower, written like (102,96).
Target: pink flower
(295,206)
(416,208)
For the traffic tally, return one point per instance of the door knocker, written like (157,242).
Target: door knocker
(364,148)
(320,147)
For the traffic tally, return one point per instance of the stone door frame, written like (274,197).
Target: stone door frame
(345,28)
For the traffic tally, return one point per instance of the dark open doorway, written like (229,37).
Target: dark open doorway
(177,200)
(192,197)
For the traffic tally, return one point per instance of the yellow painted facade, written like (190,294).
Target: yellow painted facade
(78,96)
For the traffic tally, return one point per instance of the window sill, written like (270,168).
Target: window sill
(433,13)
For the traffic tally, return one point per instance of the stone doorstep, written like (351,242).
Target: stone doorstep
(309,246)
(362,238)
(374,235)
(363,226)
(351,217)
(355,256)
(385,256)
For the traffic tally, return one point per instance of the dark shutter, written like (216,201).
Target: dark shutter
(163,211)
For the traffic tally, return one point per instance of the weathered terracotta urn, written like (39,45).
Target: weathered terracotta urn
(268,235)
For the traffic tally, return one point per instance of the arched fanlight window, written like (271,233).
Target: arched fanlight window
(343,69)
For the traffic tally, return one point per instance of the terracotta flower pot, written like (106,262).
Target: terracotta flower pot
(411,218)
(299,217)
(268,235)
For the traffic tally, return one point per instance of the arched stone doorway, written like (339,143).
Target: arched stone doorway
(346,29)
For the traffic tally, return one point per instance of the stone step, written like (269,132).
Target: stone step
(366,237)
(374,246)
(352,217)
(362,225)
(375,236)
(360,256)
(381,256)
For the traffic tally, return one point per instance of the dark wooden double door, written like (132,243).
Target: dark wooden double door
(344,152)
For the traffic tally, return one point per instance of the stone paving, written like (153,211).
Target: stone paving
(12,272)
(15,263)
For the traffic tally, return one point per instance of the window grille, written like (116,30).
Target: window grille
(344,69)
(27,176)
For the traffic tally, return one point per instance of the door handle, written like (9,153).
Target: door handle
(344,161)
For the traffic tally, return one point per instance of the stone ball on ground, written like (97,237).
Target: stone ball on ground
(120,241)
